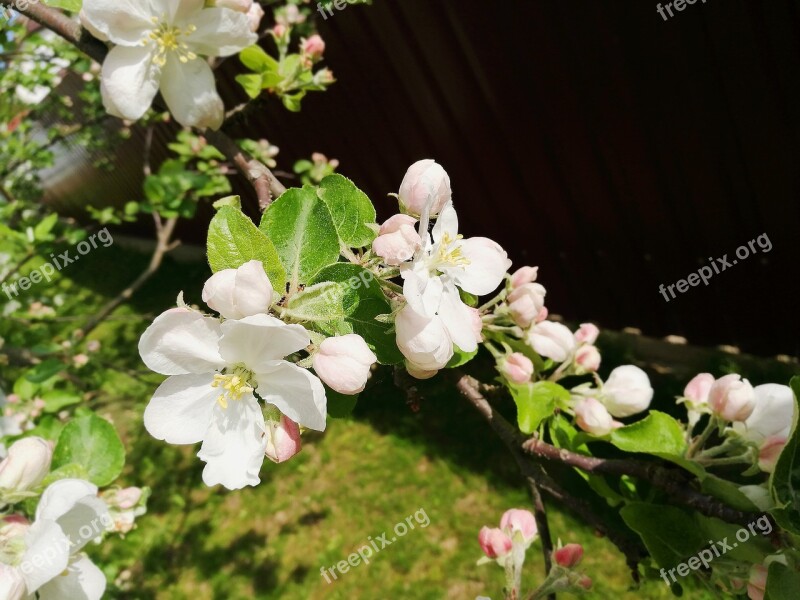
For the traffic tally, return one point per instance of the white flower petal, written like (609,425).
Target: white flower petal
(181,409)
(296,392)
(235,444)
(423,294)
(129,81)
(124,22)
(82,581)
(457,320)
(182,341)
(424,341)
(191,94)
(181,11)
(260,340)
(73,504)
(446,223)
(47,554)
(488,264)
(220,32)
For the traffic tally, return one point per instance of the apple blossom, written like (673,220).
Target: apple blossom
(627,391)
(425,183)
(772,414)
(418,373)
(569,556)
(587,334)
(769,452)
(517,368)
(526,302)
(283,439)
(494,542)
(524,275)
(343,363)
(588,358)
(698,388)
(26,465)
(477,323)
(552,340)
(519,521)
(732,398)
(254,16)
(160,45)
(214,372)
(397,240)
(313,47)
(239,293)
(431,285)
(593,417)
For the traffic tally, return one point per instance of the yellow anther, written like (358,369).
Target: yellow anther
(235,386)
(167,38)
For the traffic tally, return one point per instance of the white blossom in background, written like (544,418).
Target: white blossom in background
(436,317)
(627,391)
(770,423)
(160,45)
(215,369)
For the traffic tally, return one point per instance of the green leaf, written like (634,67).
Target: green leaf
(70,5)
(256,59)
(44,370)
(656,433)
(669,533)
(340,406)
(536,402)
(70,471)
(784,483)
(56,400)
(363,300)
(300,226)
(782,582)
(460,357)
(93,443)
(251,83)
(233,240)
(321,302)
(350,208)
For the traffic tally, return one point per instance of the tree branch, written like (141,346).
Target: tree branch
(265,184)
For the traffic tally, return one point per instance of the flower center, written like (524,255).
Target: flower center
(167,39)
(448,255)
(234,385)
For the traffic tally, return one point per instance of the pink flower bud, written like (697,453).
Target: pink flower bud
(585,582)
(313,47)
(569,556)
(542,316)
(397,240)
(518,368)
(769,452)
(283,439)
(127,498)
(80,360)
(26,465)
(524,275)
(343,363)
(494,543)
(697,389)
(552,340)
(732,398)
(93,345)
(425,181)
(279,30)
(587,334)
(239,293)
(519,520)
(12,584)
(757,583)
(627,391)
(588,357)
(477,323)
(254,16)
(593,417)
(525,302)
(237,5)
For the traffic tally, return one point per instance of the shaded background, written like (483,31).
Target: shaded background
(613,149)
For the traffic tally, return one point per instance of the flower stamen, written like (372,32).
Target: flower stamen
(167,38)
(234,385)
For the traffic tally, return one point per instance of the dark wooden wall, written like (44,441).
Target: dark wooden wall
(613,149)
